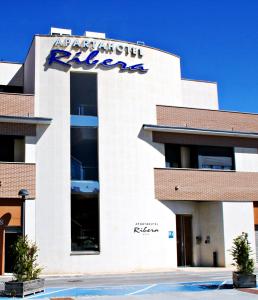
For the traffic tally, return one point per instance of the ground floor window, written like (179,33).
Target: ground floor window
(85,222)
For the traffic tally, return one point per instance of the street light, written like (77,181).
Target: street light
(23,193)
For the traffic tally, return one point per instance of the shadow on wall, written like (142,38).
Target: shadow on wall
(5,219)
(146,136)
(17,79)
(58,67)
(41,130)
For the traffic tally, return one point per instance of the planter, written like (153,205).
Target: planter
(21,289)
(241,280)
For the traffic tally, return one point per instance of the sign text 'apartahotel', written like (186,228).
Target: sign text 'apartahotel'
(99,45)
(67,58)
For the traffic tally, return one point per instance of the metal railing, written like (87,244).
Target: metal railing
(81,172)
(85,110)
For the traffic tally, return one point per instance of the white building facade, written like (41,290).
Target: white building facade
(136,169)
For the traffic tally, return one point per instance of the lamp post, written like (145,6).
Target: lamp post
(23,193)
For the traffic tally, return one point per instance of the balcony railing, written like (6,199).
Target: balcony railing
(16,176)
(205,185)
(84,110)
(81,172)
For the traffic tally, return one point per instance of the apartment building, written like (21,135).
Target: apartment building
(128,166)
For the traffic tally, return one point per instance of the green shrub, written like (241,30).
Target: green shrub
(25,256)
(241,252)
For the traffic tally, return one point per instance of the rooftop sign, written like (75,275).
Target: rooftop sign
(82,58)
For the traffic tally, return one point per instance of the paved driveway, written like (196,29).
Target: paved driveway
(192,283)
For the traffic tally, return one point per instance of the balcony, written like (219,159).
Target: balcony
(205,185)
(15,176)
(16,105)
(83,179)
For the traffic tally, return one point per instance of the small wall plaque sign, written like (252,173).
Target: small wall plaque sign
(171,234)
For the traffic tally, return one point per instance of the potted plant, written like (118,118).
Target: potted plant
(26,270)
(241,251)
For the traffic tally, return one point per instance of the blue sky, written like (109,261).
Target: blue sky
(217,40)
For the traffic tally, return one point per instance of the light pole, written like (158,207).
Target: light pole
(23,193)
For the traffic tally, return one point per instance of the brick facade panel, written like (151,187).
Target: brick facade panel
(16,105)
(17,129)
(201,185)
(206,119)
(16,176)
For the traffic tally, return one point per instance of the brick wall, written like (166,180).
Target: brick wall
(17,129)
(16,176)
(16,105)
(201,185)
(206,119)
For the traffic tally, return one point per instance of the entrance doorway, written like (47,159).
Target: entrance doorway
(10,239)
(10,229)
(184,240)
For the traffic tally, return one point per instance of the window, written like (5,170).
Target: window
(84,153)
(83,94)
(199,157)
(84,223)
(11,89)
(84,163)
(173,157)
(215,158)
(12,148)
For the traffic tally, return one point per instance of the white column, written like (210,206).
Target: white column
(29,218)
(30,149)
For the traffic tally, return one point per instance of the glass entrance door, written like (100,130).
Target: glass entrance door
(184,240)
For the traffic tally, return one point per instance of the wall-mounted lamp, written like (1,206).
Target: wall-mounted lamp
(208,240)
(198,239)
(23,193)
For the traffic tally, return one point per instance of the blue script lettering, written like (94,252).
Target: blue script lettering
(59,56)
(56,55)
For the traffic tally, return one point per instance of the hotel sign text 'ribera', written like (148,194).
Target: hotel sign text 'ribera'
(87,54)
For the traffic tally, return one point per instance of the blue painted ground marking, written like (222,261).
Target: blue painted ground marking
(123,290)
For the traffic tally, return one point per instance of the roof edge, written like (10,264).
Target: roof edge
(209,109)
(200,80)
(113,40)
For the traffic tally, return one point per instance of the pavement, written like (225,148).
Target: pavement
(183,283)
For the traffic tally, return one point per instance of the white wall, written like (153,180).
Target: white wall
(127,157)
(11,74)
(199,94)
(30,149)
(211,224)
(29,71)
(238,217)
(246,159)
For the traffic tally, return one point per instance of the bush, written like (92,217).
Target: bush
(25,256)
(241,252)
